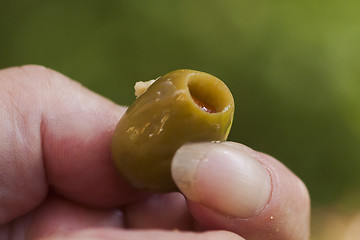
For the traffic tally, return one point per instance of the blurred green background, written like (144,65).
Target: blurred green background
(293,68)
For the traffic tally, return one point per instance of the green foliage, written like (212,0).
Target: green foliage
(293,66)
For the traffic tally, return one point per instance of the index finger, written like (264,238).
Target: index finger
(55,133)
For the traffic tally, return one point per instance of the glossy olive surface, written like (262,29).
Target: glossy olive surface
(181,106)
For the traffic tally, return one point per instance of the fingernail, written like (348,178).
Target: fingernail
(224,177)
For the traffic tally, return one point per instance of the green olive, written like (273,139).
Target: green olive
(179,107)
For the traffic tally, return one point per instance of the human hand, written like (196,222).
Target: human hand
(57,180)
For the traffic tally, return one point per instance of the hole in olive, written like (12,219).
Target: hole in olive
(203,105)
(209,93)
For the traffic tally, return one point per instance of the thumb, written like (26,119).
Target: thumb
(232,187)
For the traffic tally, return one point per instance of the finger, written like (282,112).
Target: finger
(160,211)
(55,132)
(116,234)
(59,216)
(231,187)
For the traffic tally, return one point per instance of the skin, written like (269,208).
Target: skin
(58,181)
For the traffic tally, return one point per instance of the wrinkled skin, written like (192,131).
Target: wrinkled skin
(58,181)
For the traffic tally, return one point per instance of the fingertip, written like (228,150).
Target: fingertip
(222,177)
(235,188)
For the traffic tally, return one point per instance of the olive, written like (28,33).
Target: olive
(180,107)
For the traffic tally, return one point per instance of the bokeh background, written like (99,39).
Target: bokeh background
(293,68)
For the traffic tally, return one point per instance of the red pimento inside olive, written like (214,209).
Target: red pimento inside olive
(204,106)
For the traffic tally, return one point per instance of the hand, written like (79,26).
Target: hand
(57,180)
